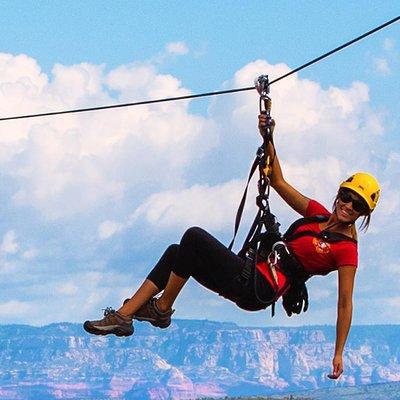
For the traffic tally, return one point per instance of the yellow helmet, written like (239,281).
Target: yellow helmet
(366,186)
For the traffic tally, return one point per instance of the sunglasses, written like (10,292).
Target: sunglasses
(358,205)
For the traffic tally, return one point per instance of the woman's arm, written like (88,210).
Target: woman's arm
(289,194)
(344,314)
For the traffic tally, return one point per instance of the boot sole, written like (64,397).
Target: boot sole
(116,331)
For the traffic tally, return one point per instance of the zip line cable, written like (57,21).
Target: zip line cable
(215,93)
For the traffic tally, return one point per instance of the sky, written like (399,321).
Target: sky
(90,201)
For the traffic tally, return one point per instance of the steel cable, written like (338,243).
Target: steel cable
(207,94)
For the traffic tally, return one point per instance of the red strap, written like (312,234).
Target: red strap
(283,281)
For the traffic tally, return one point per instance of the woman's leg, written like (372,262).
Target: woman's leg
(120,322)
(145,292)
(217,268)
(207,260)
(199,255)
(155,282)
(174,286)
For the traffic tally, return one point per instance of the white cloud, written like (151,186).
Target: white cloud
(74,86)
(67,165)
(65,297)
(177,48)
(108,228)
(390,202)
(198,205)
(14,309)
(319,293)
(318,132)
(9,243)
(304,111)
(30,254)
(314,178)
(68,289)
(318,138)
(170,52)
(393,268)
(389,44)
(20,74)
(81,162)
(393,302)
(382,66)
(311,121)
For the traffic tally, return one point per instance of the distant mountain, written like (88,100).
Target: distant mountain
(191,359)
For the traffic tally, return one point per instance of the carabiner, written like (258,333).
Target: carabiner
(272,261)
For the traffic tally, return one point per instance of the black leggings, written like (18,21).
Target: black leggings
(214,266)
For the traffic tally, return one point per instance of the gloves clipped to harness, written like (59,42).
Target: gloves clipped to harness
(295,299)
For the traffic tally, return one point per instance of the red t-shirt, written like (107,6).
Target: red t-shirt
(317,257)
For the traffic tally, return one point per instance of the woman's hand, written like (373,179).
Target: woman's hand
(263,122)
(337,367)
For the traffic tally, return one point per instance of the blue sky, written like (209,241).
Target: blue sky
(89,202)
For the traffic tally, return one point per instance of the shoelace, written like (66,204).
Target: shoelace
(108,311)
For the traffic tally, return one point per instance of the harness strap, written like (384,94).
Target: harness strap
(303,221)
(243,202)
(328,236)
(246,271)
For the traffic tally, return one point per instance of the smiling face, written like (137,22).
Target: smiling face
(349,206)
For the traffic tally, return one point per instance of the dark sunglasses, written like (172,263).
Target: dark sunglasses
(358,205)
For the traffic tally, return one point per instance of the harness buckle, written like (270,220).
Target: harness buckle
(250,254)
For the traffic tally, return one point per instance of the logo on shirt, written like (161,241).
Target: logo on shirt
(321,247)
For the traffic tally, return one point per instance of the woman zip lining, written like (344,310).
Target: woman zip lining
(320,243)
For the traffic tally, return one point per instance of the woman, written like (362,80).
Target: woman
(201,256)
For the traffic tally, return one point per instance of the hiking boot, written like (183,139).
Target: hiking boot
(150,312)
(113,322)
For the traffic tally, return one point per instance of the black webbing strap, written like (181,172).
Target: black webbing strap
(245,273)
(304,221)
(328,236)
(259,162)
(243,201)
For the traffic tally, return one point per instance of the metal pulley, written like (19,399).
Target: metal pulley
(262,86)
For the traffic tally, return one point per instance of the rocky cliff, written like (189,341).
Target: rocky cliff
(191,359)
